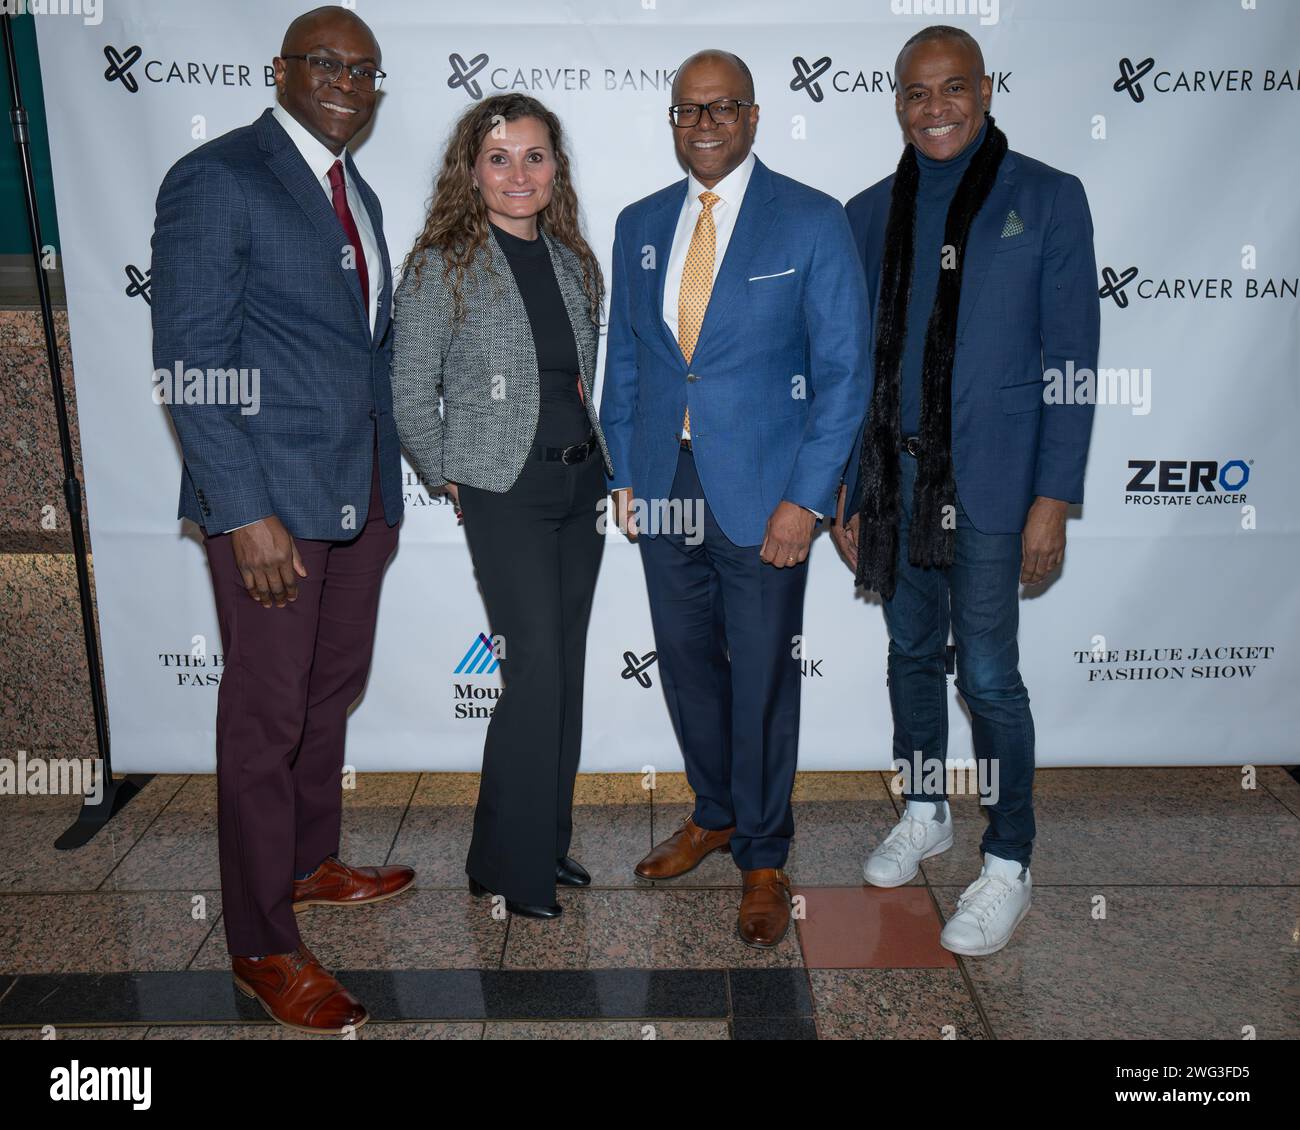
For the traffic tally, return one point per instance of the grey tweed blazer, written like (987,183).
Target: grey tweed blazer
(484,370)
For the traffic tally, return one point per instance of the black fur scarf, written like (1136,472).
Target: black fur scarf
(931,538)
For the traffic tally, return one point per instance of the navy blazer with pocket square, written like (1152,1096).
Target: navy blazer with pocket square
(1029,304)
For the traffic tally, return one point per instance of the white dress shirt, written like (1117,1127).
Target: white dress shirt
(731,189)
(319,159)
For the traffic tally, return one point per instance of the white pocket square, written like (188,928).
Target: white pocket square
(778,275)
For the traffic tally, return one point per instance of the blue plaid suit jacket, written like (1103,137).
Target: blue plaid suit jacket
(248,273)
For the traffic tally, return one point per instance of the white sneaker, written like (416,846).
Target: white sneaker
(989,910)
(913,839)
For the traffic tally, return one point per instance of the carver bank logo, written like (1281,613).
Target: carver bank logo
(120,64)
(1140,79)
(638,667)
(1131,76)
(821,78)
(463,74)
(806,76)
(1112,285)
(478,76)
(131,68)
(1121,287)
(138,283)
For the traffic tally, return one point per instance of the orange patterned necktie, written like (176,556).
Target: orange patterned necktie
(697,284)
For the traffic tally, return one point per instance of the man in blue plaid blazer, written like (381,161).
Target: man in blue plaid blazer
(269,263)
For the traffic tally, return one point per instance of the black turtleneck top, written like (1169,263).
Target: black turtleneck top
(562,419)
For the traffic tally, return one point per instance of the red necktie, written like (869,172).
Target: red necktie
(340,191)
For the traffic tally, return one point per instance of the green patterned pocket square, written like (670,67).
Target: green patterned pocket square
(1014,225)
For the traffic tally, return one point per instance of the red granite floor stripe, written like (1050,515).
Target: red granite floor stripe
(869,928)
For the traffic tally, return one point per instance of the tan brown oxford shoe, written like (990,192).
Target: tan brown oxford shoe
(336,884)
(764,907)
(297,992)
(683,851)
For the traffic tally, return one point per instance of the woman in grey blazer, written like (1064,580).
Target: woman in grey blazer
(497,316)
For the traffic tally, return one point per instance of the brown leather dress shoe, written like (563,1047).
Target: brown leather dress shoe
(336,884)
(764,907)
(298,993)
(683,851)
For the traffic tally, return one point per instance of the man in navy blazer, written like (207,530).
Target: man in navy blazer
(981,272)
(269,261)
(735,379)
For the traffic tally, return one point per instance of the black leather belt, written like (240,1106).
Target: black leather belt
(685,443)
(912,445)
(576,453)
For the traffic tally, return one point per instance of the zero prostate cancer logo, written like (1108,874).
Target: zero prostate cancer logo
(1188,476)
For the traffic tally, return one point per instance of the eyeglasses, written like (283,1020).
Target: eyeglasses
(325,69)
(723,111)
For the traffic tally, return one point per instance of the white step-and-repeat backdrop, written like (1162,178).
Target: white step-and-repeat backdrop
(1170,638)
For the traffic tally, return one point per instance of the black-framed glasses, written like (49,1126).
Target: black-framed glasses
(723,111)
(325,69)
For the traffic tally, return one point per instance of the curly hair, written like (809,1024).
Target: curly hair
(456,225)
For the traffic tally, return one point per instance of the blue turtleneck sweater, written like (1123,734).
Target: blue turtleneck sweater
(934,192)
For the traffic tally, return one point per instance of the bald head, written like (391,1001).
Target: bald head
(708,148)
(304,33)
(314,79)
(725,58)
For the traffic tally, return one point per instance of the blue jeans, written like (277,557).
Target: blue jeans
(979,596)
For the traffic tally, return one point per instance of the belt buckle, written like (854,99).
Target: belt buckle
(913,447)
(564,455)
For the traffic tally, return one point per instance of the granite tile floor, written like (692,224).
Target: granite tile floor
(1166,904)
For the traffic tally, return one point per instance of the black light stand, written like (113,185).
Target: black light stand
(114,794)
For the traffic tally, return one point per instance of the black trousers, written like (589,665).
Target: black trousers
(536,550)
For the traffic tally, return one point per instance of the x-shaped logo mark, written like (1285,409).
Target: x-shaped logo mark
(1113,285)
(462,74)
(119,66)
(1129,76)
(805,77)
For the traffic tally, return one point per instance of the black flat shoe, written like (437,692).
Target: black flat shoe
(527,911)
(569,873)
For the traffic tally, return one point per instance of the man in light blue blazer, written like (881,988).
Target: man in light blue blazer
(737,375)
(980,266)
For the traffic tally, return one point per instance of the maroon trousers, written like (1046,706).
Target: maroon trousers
(291,675)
